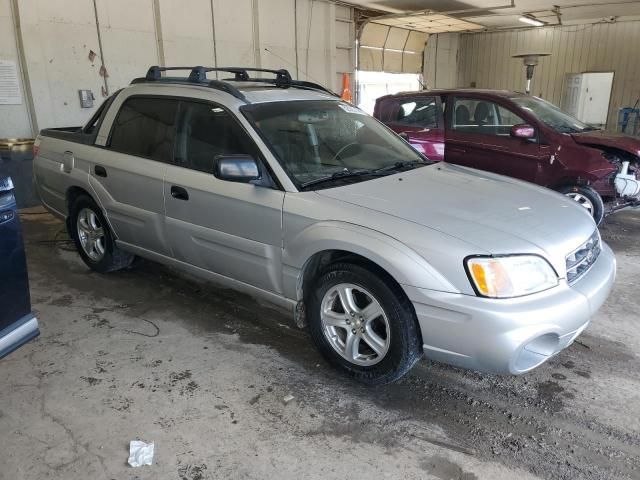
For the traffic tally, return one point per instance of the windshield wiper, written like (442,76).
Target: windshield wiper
(401,165)
(338,176)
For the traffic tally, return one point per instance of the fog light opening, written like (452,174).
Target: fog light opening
(536,352)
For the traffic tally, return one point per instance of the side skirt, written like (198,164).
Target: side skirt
(278,300)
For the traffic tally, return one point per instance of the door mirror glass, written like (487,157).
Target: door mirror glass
(236,168)
(523,130)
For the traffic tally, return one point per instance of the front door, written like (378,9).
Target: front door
(478,136)
(17,324)
(128,174)
(230,228)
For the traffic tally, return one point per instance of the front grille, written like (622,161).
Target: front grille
(580,260)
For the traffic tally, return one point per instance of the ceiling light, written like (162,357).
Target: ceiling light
(531,21)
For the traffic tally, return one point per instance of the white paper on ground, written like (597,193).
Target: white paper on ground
(140,453)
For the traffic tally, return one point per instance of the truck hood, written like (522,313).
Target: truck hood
(606,139)
(496,214)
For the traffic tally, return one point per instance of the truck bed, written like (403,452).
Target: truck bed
(85,135)
(70,134)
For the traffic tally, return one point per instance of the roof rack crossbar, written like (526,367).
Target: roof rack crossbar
(198,74)
(292,83)
(155,72)
(241,73)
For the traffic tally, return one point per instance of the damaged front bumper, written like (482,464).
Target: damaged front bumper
(510,336)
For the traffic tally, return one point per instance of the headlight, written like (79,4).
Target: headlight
(510,276)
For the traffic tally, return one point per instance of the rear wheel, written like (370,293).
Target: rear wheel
(587,198)
(93,238)
(362,324)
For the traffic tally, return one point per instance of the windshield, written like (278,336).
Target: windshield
(551,115)
(321,143)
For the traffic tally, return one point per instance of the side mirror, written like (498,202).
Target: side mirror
(523,130)
(236,168)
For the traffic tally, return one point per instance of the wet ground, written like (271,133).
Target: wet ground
(201,371)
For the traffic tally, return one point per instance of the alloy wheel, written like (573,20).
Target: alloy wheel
(582,200)
(355,324)
(91,234)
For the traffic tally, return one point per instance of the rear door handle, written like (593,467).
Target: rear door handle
(100,171)
(179,193)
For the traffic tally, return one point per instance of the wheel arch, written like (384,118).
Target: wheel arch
(71,194)
(571,178)
(327,242)
(75,191)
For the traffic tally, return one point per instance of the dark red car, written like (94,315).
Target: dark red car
(519,136)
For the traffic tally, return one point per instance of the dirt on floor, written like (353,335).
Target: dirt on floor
(203,372)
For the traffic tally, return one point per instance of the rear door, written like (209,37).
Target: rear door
(230,228)
(17,324)
(419,120)
(478,136)
(128,172)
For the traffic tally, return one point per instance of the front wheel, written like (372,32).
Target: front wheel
(587,198)
(362,324)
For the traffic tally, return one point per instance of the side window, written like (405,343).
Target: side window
(145,127)
(418,112)
(483,117)
(206,131)
(506,120)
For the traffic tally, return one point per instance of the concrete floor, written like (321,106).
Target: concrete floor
(202,372)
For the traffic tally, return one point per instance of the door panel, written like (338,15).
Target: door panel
(428,141)
(132,195)
(128,175)
(232,229)
(478,136)
(17,324)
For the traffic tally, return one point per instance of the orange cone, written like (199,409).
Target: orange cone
(346,88)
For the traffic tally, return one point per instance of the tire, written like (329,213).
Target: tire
(398,344)
(588,198)
(99,252)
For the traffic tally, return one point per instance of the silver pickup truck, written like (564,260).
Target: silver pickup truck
(278,188)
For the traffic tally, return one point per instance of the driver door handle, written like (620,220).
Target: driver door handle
(179,193)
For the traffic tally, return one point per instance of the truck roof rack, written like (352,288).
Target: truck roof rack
(198,75)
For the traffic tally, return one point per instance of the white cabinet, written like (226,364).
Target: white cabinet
(586,96)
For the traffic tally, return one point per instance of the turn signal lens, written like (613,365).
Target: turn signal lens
(510,276)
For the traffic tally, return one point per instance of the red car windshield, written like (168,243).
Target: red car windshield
(551,115)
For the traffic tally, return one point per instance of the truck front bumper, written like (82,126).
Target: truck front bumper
(510,336)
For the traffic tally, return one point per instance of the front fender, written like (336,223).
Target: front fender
(405,265)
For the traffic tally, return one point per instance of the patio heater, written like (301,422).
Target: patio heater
(530,61)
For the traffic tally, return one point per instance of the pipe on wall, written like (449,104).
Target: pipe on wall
(24,71)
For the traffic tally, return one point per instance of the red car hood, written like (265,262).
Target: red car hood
(615,140)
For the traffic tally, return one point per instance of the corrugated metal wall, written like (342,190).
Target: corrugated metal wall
(485,58)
